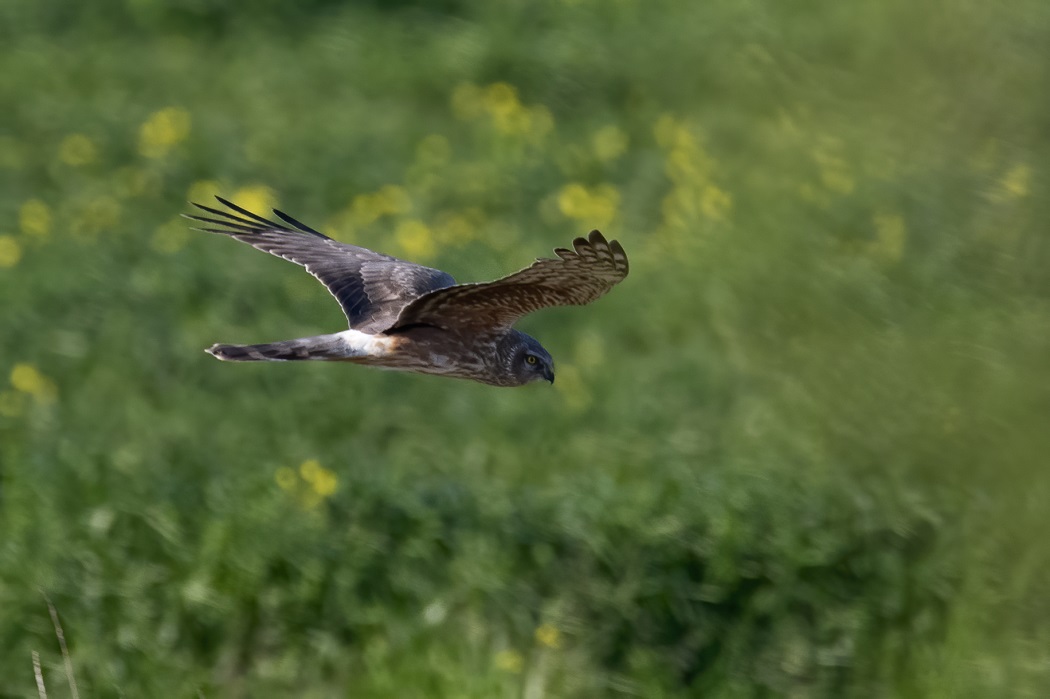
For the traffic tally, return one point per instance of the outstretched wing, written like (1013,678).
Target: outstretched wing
(371,287)
(577,277)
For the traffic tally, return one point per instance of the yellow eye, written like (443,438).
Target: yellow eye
(530,359)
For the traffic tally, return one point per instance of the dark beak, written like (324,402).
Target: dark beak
(548,373)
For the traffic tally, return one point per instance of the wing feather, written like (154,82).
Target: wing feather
(579,276)
(371,287)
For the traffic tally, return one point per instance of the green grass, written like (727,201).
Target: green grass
(801,451)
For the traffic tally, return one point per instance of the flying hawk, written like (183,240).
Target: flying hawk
(413,318)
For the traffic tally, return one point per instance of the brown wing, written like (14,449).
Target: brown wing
(577,277)
(372,288)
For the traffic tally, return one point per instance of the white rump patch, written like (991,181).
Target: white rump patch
(359,344)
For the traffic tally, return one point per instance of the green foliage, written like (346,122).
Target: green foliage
(801,451)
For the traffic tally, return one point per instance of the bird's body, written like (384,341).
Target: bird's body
(408,317)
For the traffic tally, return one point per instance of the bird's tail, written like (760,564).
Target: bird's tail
(323,347)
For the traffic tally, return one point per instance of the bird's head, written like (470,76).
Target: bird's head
(525,359)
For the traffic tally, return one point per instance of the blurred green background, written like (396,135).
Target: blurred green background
(801,451)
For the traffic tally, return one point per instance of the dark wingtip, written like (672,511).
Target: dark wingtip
(298,224)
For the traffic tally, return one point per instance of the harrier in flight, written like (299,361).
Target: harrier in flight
(412,318)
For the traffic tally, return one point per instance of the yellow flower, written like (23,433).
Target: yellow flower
(510,661)
(595,207)
(77,149)
(163,130)
(501,99)
(670,134)
(415,239)
(325,483)
(35,218)
(256,198)
(309,469)
(10,251)
(609,143)
(28,379)
(548,635)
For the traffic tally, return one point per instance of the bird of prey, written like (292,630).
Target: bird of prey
(409,317)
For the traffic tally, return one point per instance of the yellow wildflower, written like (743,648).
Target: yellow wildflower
(257,198)
(594,207)
(28,379)
(322,482)
(510,661)
(548,635)
(35,218)
(10,251)
(609,143)
(309,469)
(77,149)
(163,130)
(415,239)
(501,99)
(325,483)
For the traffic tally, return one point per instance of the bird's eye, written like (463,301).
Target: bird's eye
(530,359)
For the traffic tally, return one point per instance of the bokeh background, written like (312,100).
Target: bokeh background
(801,451)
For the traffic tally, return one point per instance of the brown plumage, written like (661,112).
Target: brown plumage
(413,318)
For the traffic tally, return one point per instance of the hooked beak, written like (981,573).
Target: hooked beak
(548,373)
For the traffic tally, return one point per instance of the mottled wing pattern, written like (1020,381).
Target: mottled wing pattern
(577,277)
(371,287)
